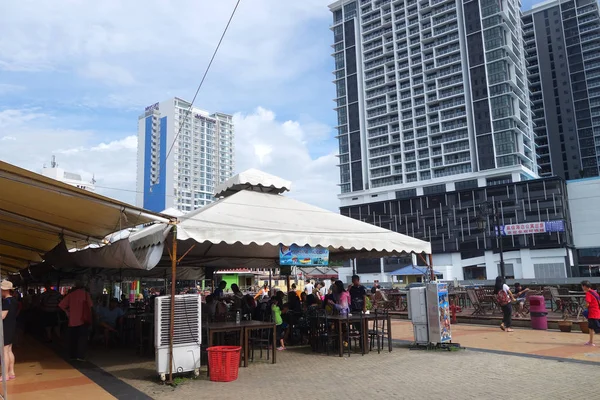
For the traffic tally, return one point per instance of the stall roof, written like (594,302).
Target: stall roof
(36,212)
(244,230)
(411,270)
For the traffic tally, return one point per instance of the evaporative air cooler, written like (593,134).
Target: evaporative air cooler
(187,336)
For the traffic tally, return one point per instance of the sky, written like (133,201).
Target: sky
(75,76)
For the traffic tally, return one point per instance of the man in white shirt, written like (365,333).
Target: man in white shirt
(308,287)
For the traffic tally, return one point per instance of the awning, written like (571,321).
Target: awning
(244,230)
(411,270)
(37,212)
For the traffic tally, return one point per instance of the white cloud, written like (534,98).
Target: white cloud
(282,149)
(6,88)
(109,74)
(7,138)
(263,142)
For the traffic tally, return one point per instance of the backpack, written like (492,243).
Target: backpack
(502,298)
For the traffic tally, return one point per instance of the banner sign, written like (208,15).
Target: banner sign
(303,255)
(532,227)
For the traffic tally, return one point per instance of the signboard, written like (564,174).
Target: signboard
(532,227)
(152,107)
(303,255)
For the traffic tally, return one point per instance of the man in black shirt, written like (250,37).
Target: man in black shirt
(358,295)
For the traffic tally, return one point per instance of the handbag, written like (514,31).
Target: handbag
(502,298)
(586,311)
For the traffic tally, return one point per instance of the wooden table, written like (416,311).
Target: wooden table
(243,328)
(250,326)
(355,318)
(224,327)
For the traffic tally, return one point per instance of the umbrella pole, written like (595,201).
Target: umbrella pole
(173,278)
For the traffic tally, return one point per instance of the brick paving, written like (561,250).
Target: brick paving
(549,343)
(402,374)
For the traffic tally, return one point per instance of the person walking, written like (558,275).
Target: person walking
(592,300)
(78,307)
(9,322)
(505,298)
(49,301)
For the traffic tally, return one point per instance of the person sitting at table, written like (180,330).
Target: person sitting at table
(521,296)
(237,297)
(219,291)
(341,298)
(109,319)
(294,301)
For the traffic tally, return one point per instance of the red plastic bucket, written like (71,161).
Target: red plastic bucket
(224,363)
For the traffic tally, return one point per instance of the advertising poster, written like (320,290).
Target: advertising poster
(438,313)
(303,255)
(444,308)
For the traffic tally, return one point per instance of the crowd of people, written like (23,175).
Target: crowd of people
(281,307)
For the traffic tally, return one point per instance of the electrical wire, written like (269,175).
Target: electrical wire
(205,74)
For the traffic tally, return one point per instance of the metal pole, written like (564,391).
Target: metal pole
(431,274)
(499,236)
(173,278)
(270,288)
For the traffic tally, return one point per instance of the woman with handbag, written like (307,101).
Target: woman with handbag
(504,297)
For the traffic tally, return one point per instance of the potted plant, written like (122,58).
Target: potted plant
(565,326)
(583,325)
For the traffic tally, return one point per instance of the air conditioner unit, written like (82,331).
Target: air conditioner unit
(187,334)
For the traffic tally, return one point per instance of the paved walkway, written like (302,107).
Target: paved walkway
(521,341)
(41,374)
(402,374)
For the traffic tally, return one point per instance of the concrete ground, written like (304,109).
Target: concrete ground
(525,364)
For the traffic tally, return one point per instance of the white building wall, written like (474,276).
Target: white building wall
(584,197)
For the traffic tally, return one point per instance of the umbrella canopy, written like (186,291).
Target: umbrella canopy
(245,229)
(411,270)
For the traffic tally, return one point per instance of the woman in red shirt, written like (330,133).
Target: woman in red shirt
(592,298)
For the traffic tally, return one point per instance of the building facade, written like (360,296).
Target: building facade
(460,224)
(183,154)
(562,40)
(429,91)
(584,195)
(71,178)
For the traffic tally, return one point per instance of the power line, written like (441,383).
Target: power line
(205,74)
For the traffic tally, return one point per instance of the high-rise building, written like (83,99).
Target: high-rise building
(431,94)
(436,136)
(182,155)
(562,40)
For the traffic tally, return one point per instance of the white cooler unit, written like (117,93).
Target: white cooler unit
(417,313)
(187,337)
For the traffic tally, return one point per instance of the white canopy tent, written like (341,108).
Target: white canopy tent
(244,229)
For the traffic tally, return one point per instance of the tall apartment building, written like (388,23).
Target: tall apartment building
(562,40)
(434,121)
(202,156)
(430,94)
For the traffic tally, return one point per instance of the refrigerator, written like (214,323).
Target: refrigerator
(438,313)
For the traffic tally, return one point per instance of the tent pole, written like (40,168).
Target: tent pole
(287,279)
(172,325)
(270,288)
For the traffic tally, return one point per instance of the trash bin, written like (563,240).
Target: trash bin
(223,363)
(538,312)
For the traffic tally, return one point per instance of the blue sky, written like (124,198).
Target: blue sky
(75,77)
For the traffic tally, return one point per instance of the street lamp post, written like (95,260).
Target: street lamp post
(484,209)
